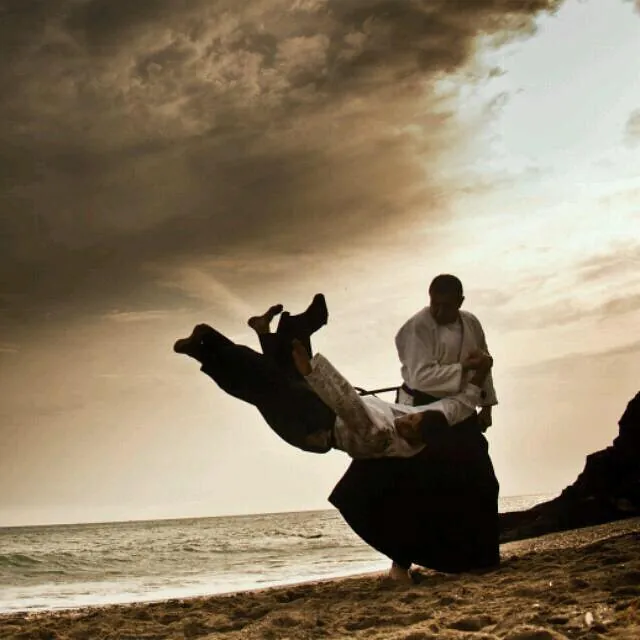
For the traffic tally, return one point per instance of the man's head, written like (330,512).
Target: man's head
(445,298)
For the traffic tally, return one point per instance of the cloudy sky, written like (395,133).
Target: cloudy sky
(164,163)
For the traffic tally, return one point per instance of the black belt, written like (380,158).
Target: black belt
(426,398)
(419,397)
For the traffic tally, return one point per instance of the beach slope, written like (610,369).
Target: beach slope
(576,584)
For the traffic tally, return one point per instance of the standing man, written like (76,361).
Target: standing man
(438,508)
(433,347)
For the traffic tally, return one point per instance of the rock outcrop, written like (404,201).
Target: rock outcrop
(608,489)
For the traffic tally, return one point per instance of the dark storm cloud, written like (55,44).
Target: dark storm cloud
(134,132)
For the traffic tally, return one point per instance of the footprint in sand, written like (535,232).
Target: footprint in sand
(472,623)
(534,633)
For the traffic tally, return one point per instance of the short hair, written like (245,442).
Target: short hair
(445,284)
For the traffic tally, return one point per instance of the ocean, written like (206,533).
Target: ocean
(69,566)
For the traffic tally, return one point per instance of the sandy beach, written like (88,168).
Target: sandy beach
(578,584)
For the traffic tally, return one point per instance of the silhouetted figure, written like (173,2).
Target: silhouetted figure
(318,409)
(433,508)
(301,327)
(269,381)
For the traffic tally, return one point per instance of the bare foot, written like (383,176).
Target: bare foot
(317,313)
(301,358)
(399,575)
(261,324)
(189,345)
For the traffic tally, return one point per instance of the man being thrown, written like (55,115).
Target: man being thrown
(308,403)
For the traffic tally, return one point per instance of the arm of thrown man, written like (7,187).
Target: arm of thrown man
(363,434)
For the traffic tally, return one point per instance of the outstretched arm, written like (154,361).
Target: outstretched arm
(362,435)
(460,406)
(451,410)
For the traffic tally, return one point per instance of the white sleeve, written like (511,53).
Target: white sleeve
(431,377)
(364,437)
(336,391)
(459,407)
(489,397)
(424,373)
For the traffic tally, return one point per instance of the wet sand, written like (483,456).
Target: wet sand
(577,584)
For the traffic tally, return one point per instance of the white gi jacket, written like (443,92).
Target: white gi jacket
(364,425)
(431,355)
